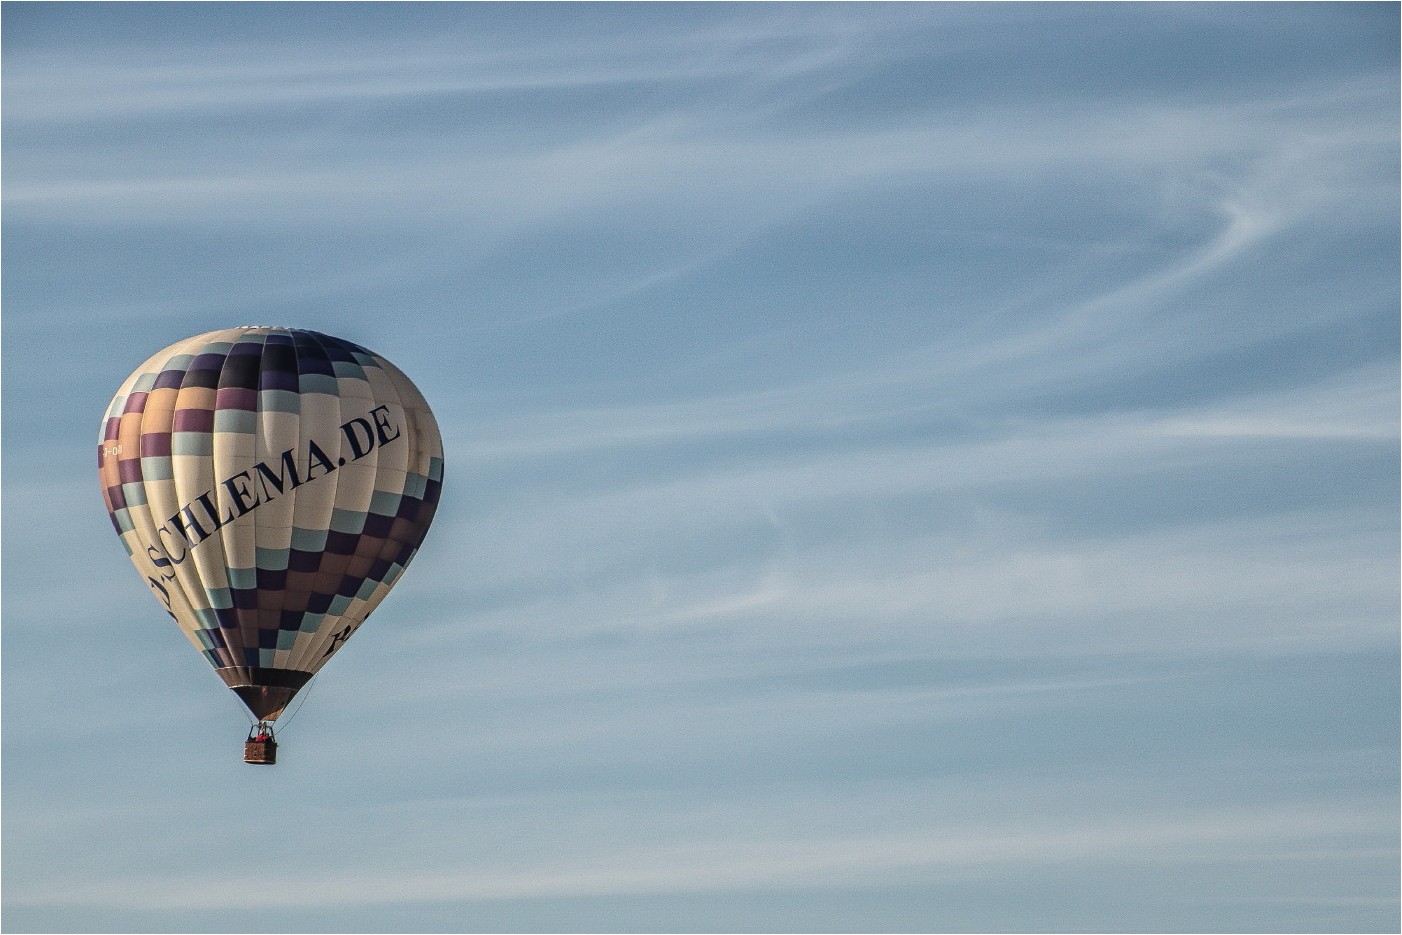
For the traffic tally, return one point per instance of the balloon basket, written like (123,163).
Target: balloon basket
(260,748)
(260,751)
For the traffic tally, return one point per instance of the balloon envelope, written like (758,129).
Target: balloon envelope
(270,486)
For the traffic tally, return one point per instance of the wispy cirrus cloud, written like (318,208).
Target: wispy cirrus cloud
(899,456)
(766,862)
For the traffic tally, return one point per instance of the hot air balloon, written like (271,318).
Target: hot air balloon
(270,485)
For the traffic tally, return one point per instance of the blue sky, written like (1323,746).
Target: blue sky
(909,467)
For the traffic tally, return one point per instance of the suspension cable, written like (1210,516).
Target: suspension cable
(306,690)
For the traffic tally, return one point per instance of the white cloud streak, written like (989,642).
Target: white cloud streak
(970,493)
(242,77)
(921,855)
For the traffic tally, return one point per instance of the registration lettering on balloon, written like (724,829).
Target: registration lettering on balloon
(338,639)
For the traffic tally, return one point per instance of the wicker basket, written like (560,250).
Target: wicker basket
(260,751)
